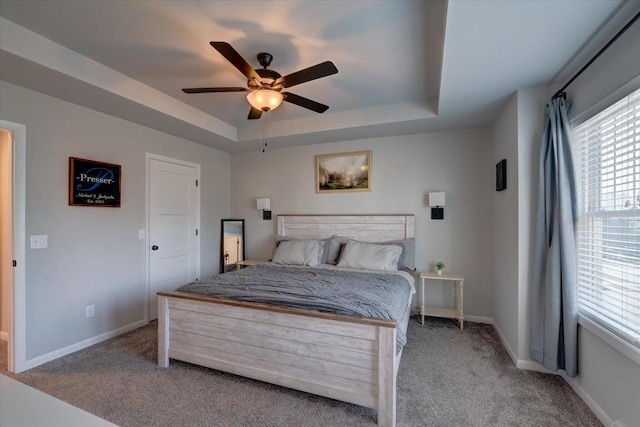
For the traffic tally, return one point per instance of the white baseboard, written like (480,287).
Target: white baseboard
(602,416)
(37,361)
(531,365)
(528,364)
(471,318)
(4,336)
(478,319)
(506,345)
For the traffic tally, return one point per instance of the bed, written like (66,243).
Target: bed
(345,357)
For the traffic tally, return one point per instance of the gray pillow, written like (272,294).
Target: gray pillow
(370,256)
(408,256)
(407,259)
(325,253)
(335,248)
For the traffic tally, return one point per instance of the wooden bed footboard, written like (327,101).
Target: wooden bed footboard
(347,358)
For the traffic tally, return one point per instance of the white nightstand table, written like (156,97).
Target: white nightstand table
(454,313)
(247,263)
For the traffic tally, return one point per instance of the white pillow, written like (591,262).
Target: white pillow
(324,259)
(299,252)
(370,256)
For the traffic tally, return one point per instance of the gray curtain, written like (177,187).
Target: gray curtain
(554,312)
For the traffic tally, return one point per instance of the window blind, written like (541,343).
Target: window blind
(607,156)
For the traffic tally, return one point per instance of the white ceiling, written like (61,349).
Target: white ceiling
(404,66)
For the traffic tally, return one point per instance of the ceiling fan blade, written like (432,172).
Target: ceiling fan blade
(234,57)
(215,89)
(305,102)
(254,113)
(317,71)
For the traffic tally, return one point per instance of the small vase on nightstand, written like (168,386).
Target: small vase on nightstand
(439,267)
(439,272)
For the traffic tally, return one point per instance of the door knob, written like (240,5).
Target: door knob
(154,248)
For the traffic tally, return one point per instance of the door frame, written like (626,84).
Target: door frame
(17,356)
(147,253)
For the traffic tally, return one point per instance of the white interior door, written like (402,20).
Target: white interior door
(173,228)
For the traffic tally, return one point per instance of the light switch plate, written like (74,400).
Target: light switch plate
(141,234)
(39,242)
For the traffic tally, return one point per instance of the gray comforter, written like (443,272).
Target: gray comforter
(377,295)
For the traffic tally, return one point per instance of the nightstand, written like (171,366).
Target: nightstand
(454,313)
(247,263)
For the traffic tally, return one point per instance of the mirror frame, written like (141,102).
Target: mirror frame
(222,222)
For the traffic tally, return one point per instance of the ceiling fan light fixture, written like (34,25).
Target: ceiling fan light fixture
(265,99)
(264,85)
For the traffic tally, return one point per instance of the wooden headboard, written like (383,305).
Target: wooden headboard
(367,228)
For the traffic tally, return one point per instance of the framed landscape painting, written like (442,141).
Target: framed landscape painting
(343,172)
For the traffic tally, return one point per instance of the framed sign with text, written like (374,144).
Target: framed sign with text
(93,183)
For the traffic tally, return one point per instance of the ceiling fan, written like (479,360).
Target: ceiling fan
(265,86)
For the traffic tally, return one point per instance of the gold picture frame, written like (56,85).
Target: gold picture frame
(343,172)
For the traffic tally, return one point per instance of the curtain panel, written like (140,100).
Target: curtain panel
(554,310)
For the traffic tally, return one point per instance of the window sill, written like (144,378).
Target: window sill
(619,344)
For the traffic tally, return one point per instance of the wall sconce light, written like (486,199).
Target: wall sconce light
(436,201)
(264,205)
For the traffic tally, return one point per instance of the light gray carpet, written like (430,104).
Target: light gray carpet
(447,378)
(4,361)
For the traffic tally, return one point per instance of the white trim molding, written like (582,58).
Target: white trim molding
(478,319)
(505,343)
(531,365)
(37,361)
(610,338)
(600,413)
(415,311)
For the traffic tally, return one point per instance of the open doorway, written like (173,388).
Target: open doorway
(6,245)
(12,246)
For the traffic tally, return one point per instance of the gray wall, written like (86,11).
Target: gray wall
(94,255)
(505,227)
(608,380)
(404,170)
(517,134)
(617,66)
(63,279)
(531,104)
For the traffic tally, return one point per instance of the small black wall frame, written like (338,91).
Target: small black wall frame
(501,175)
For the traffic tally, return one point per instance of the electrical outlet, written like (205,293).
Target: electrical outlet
(39,242)
(90,311)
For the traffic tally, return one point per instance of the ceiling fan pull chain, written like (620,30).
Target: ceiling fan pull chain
(264,131)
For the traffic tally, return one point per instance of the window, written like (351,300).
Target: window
(607,155)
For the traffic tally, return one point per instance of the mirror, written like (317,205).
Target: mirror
(231,244)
